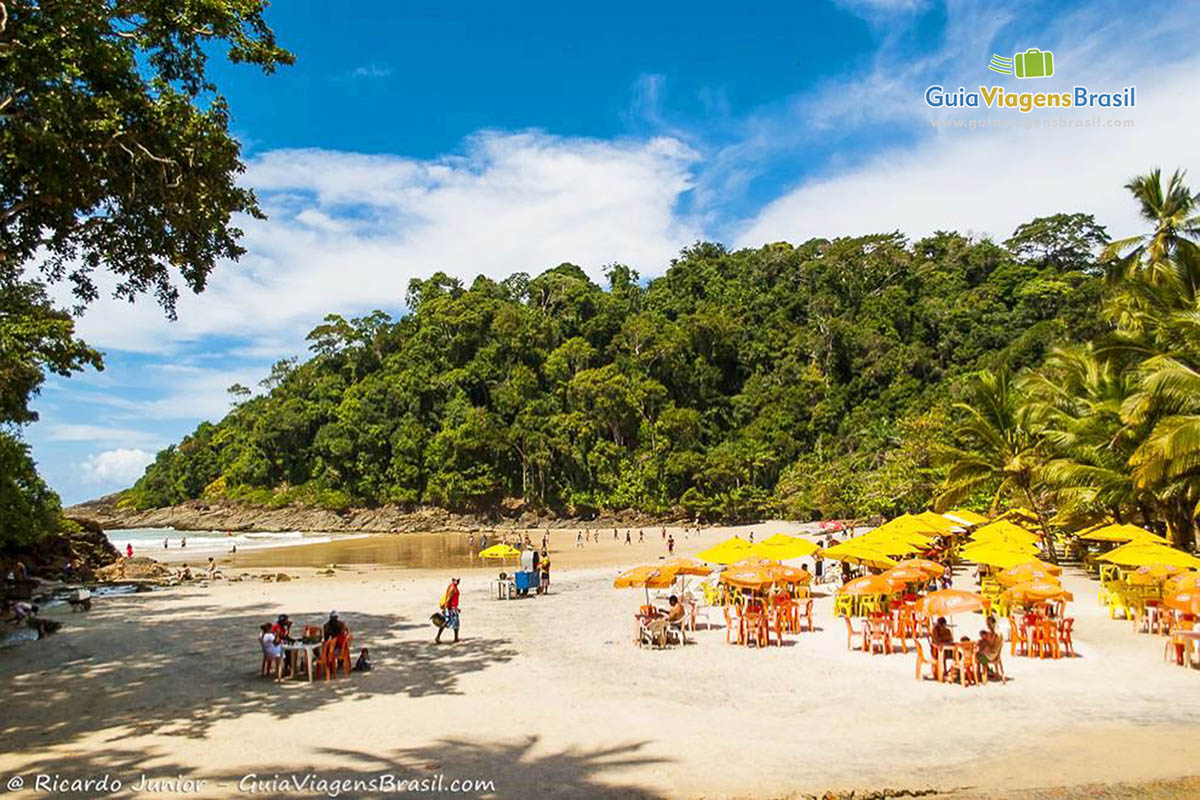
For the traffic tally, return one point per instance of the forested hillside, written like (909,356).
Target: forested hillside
(801,380)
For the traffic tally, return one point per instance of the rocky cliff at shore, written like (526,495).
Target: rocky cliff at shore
(196,515)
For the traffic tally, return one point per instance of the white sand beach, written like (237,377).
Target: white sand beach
(548,696)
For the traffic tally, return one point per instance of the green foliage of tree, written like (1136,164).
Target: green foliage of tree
(115,155)
(804,380)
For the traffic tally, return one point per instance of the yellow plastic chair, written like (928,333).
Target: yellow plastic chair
(843,605)
(871,604)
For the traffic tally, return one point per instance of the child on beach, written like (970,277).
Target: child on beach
(272,649)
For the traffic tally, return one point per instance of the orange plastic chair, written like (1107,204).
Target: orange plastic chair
(878,632)
(807,615)
(729,626)
(922,661)
(966,662)
(1018,638)
(332,655)
(851,633)
(1065,628)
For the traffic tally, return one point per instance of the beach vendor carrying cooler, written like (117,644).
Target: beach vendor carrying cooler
(449,611)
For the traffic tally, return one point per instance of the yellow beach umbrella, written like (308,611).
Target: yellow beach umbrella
(1005,531)
(965,516)
(858,552)
(1121,533)
(1140,554)
(912,523)
(892,544)
(500,551)
(1000,555)
(726,552)
(781,547)
(938,522)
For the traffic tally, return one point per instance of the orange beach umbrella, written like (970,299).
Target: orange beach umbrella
(948,602)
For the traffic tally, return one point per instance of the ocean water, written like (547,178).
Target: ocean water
(149,541)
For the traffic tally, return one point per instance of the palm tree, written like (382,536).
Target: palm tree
(1168,256)
(999,450)
(1076,400)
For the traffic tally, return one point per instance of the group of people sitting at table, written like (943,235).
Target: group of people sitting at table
(333,639)
(965,661)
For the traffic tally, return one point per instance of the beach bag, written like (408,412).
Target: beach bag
(438,619)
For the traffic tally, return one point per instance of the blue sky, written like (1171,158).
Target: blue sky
(491,138)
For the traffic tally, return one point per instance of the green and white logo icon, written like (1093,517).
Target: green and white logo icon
(1033,63)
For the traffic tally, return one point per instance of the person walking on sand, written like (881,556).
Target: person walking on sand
(641,537)
(183,542)
(166,543)
(628,540)
(579,539)
(670,545)
(129,550)
(614,534)
(449,607)
(471,544)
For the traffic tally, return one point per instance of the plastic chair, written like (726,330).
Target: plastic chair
(336,651)
(1065,628)
(966,662)
(733,627)
(871,604)
(879,632)
(843,605)
(1017,638)
(922,661)
(851,633)
(1179,648)
(808,604)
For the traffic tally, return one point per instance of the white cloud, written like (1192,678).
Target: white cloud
(372,71)
(120,467)
(348,231)
(170,391)
(100,434)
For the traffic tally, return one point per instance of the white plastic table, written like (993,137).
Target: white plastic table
(293,651)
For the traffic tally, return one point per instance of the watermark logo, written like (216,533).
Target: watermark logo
(1033,63)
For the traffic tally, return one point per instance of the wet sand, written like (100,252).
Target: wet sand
(452,550)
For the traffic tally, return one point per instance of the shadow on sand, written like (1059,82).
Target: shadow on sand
(513,768)
(124,672)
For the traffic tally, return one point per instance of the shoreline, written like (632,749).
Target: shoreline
(196,515)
